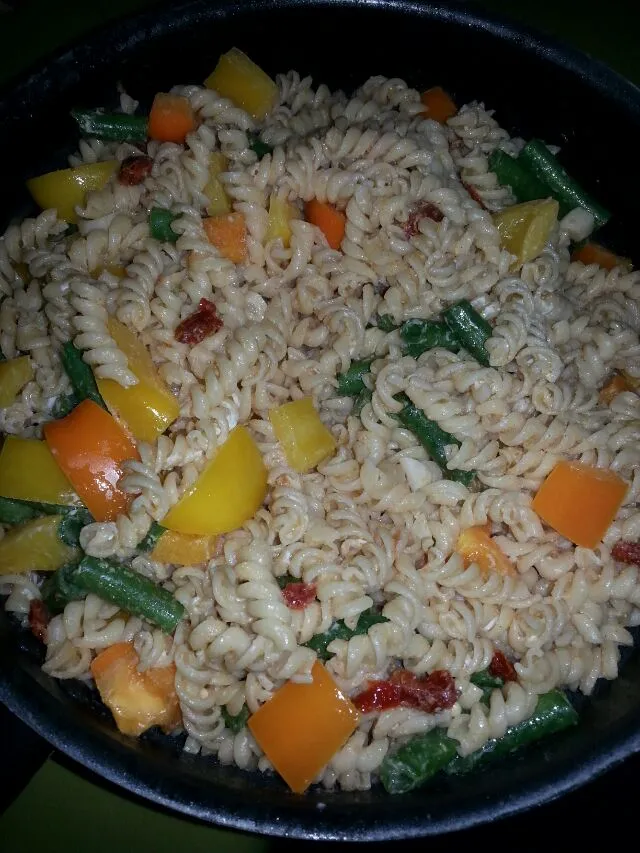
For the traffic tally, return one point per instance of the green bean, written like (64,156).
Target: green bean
(365,396)
(417,761)
(151,539)
(64,405)
(286,579)
(385,323)
(258,146)
(422,335)
(80,374)
(236,722)
(16,512)
(59,589)
(486,682)
(351,382)
(160,221)
(13,511)
(339,631)
(471,330)
(118,127)
(513,173)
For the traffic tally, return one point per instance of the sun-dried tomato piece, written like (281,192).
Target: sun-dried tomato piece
(424,210)
(133,170)
(197,326)
(38,619)
(434,693)
(299,595)
(501,667)
(626,552)
(475,195)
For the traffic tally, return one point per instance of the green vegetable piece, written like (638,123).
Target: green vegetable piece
(258,146)
(63,405)
(117,127)
(417,761)
(132,592)
(72,523)
(422,335)
(283,580)
(236,722)
(160,221)
(385,323)
(16,512)
(512,173)
(537,158)
(351,382)
(432,437)
(151,539)
(552,714)
(487,683)
(59,589)
(339,631)
(471,330)
(361,401)
(80,374)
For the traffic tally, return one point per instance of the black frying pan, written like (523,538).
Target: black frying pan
(537,88)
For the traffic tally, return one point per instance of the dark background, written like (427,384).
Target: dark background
(64,808)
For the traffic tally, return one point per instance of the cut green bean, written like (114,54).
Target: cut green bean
(236,722)
(72,523)
(132,592)
(432,437)
(151,539)
(386,323)
(286,579)
(80,375)
(487,683)
(365,396)
(258,146)
(59,589)
(470,328)
(13,511)
(537,158)
(339,631)
(64,404)
(160,221)
(417,761)
(351,382)
(422,335)
(117,127)
(514,174)
(16,512)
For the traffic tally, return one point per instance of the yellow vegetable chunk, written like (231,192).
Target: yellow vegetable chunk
(281,212)
(226,494)
(148,407)
(35,547)
(525,228)
(14,375)
(238,78)
(304,438)
(183,550)
(214,189)
(303,726)
(580,501)
(28,472)
(65,189)
(476,546)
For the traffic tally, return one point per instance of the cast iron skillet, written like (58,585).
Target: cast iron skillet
(537,88)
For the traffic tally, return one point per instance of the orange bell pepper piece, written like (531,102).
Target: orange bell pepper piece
(475,545)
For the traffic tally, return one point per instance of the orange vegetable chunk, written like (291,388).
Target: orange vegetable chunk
(594,253)
(228,233)
(171,118)
(475,545)
(438,105)
(303,725)
(616,385)
(328,219)
(90,447)
(580,501)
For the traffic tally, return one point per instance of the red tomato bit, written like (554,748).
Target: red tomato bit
(626,552)
(434,693)
(38,619)
(425,210)
(501,667)
(299,595)
(197,326)
(133,170)
(475,195)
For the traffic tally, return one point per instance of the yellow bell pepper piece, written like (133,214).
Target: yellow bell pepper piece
(226,494)
(116,270)
(65,189)
(302,727)
(214,190)
(183,550)
(14,375)
(148,407)
(28,472)
(238,78)
(476,546)
(525,228)
(35,547)
(304,438)
(281,212)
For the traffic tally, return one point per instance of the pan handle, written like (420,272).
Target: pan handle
(23,751)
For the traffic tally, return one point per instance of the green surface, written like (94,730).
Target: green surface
(71,813)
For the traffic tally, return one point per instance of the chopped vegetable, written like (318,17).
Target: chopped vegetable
(160,221)
(214,189)
(501,667)
(552,714)
(227,493)
(593,253)
(38,619)
(438,105)
(228,233)
(137,700)
(433,693)
(66,189)
(339,631)
(29,472)
(35,546)
(90,447)
(281,212)
(171,118)
(148,408)
(365,396)
(131,591)
(133,170)
(580,501)
(616,385)
(15,512)
(476,546)
(80,374)
(238,78)
(385,323)
(420,758)
(525,228)
(59,589)
(258,146)
(298,595)
(512,173)
(153,535)
(432,437)
(422,335)
(470,328)
(302,726)
(537,158)
(351,382)
(236,722)
(304,438)
(424,210)
(73,520)
(14,375)
(627,552)
(117,127)
(487,683)
(328,219)
(183,550)
(197,326)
